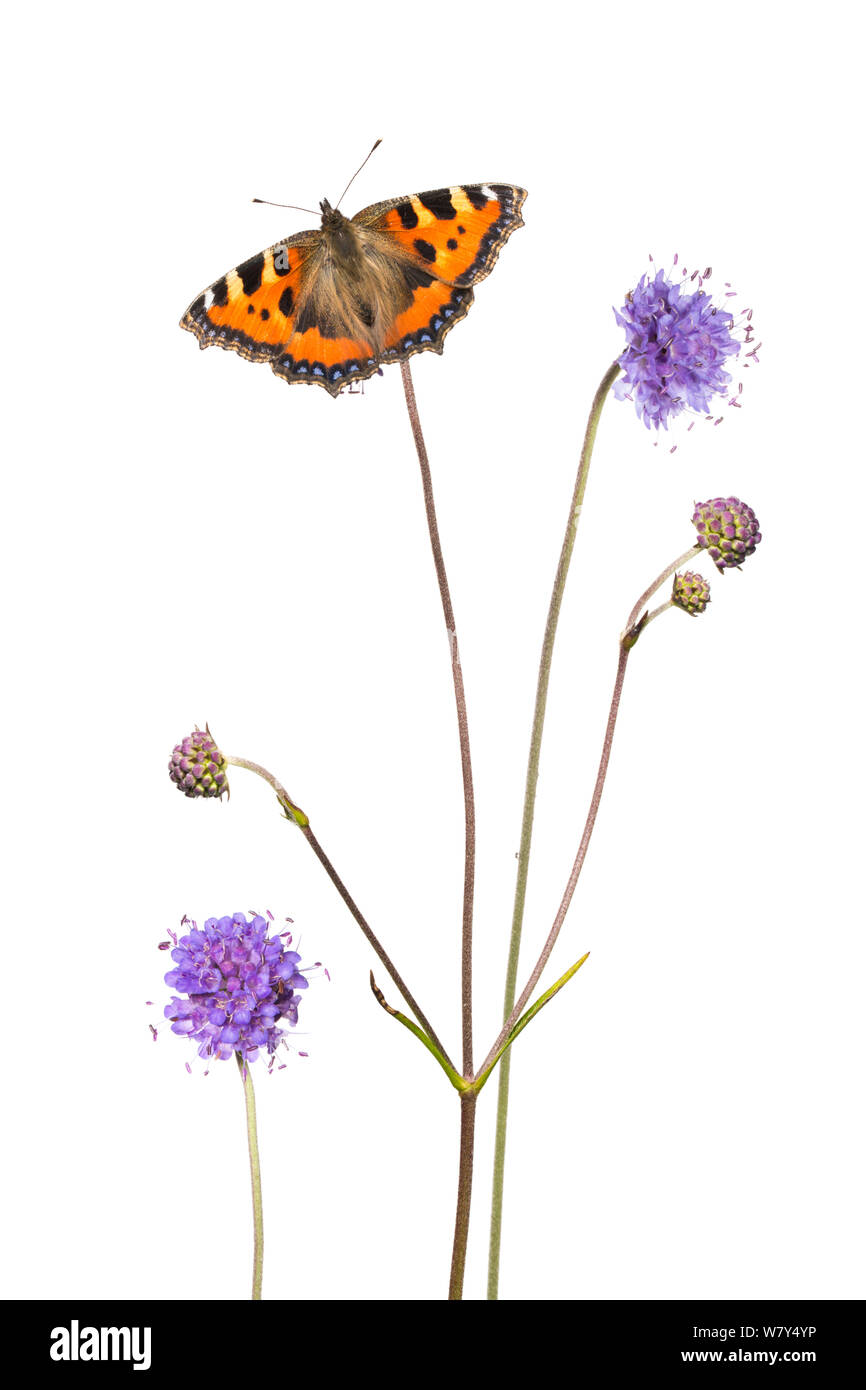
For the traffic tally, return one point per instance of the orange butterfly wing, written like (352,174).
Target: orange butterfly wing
(454,233)
(252,309)
(454,236)
(435,245)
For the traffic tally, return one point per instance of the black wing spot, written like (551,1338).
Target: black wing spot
(478,199)
(425,250)
(439,203)
(286,302)
(251,273)
(407,215)
(266,313)
(220,292)
(452,244)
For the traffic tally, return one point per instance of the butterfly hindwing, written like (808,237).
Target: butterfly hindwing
(423,324)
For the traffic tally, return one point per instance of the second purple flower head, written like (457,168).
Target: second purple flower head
(239,986)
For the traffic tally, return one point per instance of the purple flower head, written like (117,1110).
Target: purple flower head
(678,343)
(728,530)
(197,767)
(239,983)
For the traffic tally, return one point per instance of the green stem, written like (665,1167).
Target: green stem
(255,1174)
(529,813)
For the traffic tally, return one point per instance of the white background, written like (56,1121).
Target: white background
(189,539)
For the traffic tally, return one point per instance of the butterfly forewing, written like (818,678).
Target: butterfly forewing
(454,233)
(252,308)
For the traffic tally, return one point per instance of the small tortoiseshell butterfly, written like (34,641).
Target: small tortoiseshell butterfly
(330,306)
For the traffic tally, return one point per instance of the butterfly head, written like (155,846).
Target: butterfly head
(330,216)
(340,235)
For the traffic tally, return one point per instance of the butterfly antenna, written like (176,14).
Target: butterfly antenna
(293,206)
(356,173)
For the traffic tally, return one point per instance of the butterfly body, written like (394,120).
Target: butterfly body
(329,306)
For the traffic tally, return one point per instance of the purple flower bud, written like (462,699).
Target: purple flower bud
(678,342)
(691,593)
(218,1012)
(728,530)
(197,767)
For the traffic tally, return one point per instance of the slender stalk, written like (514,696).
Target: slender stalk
(656,584)
(630,633)
(578,862)
(529,811)
(462,719)
(293,812)
(255,1174)
(468,1101)
(307,832)
(656,613)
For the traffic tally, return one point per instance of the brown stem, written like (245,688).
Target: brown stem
(300,819)
(656,584)
(309,836)
(578,863)
(632,630)
(464,1193)
(462,719)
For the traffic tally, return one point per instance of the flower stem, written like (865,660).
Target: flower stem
(529,812)
(255,1174)
(468,1101)
(656,584)
(344,893)
(624,650)
(462,719)
(657,612)
(293,812)
(632,630)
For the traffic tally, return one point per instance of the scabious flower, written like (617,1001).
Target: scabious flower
(239,983)
(197,767)
(691,593)
(678,343)
(728,530)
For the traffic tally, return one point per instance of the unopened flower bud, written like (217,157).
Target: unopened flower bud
(197,767)
(691,593)
(727,529)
